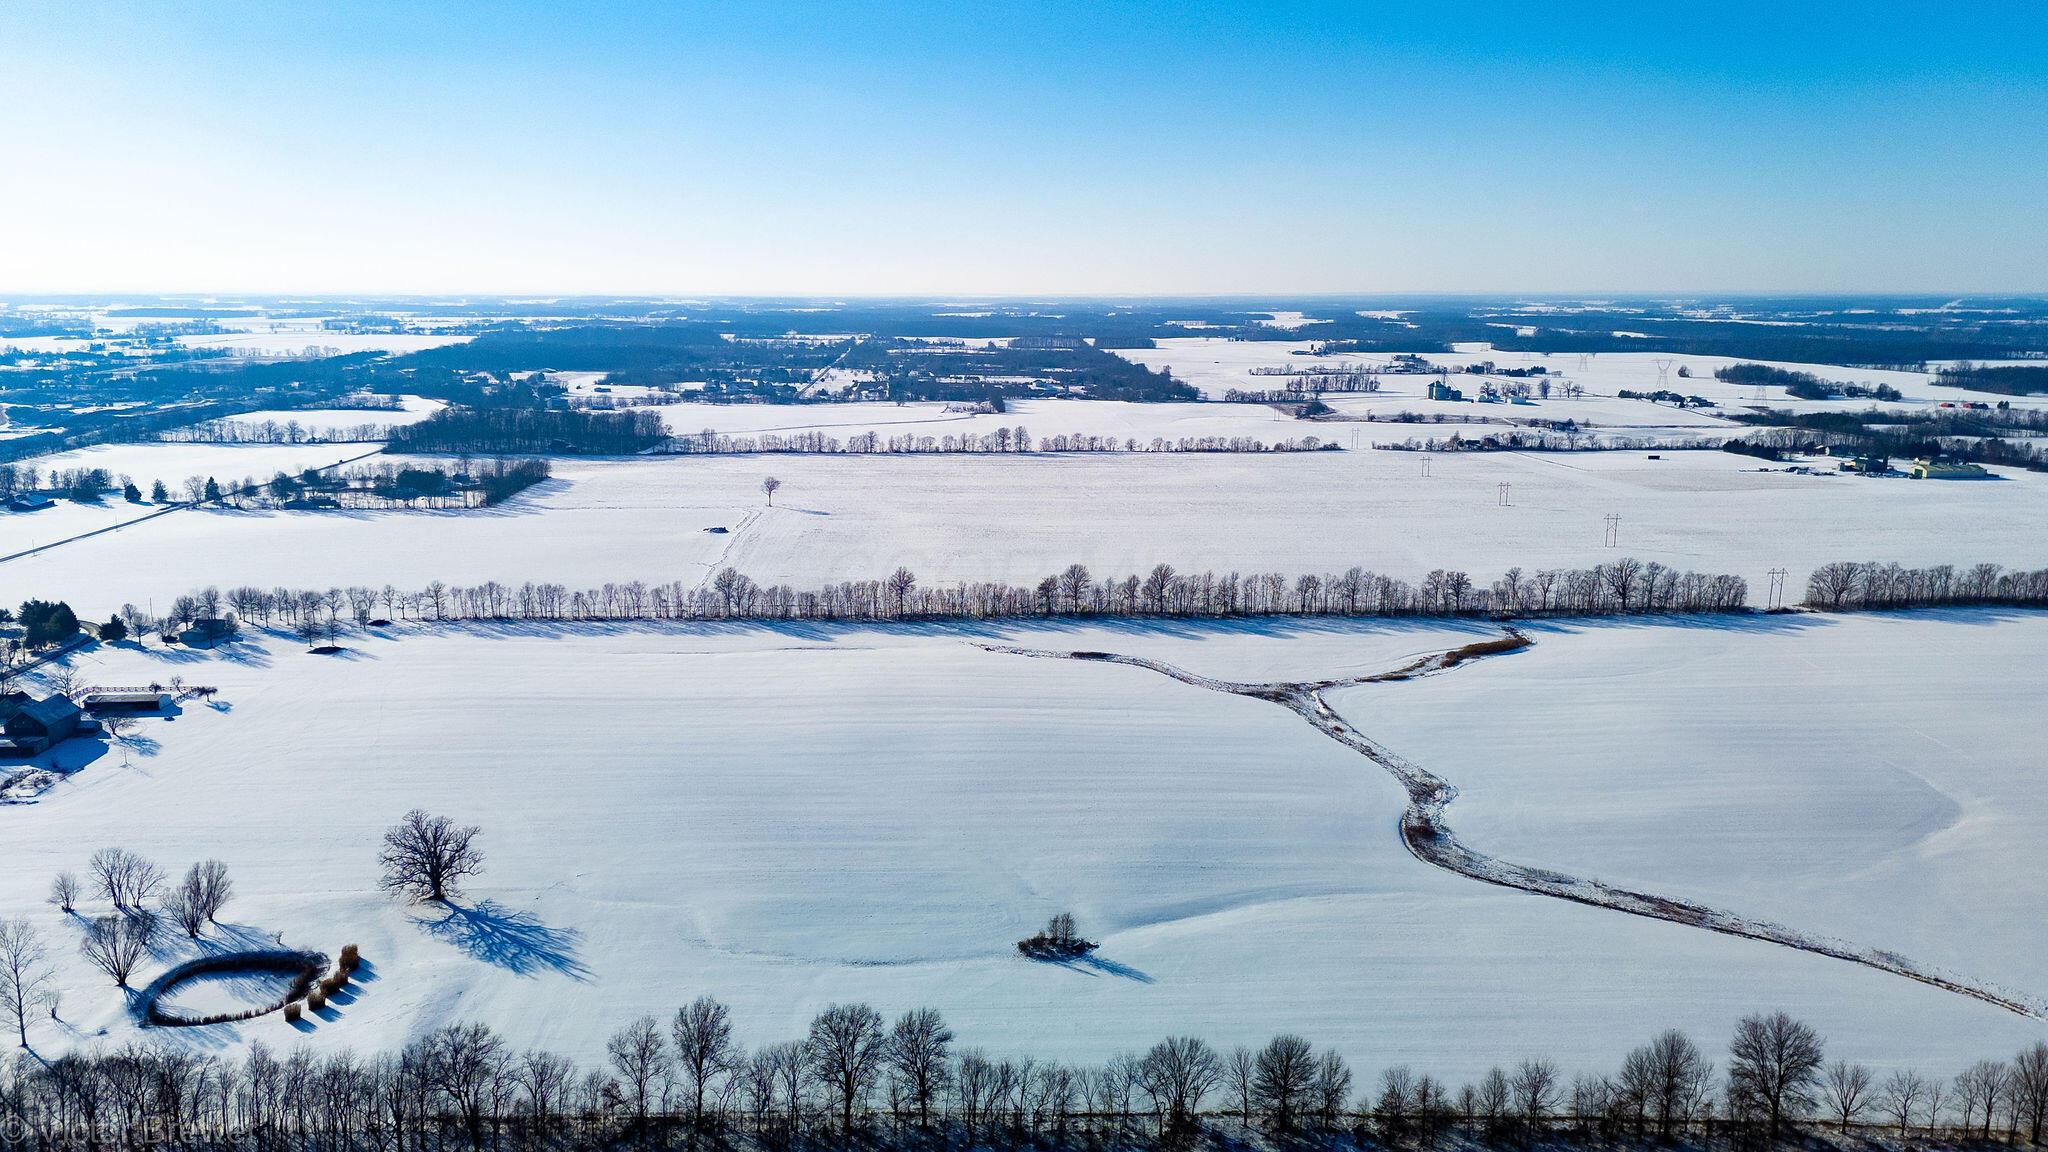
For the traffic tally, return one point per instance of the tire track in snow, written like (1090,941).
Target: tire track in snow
(1429,837)
(732,539)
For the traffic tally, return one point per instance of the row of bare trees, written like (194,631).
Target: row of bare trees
(1625,586)
(1874,585)
(856,1077)
(1001,441)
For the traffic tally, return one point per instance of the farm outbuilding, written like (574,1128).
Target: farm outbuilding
(33,726)
(1939,469)
(126,700)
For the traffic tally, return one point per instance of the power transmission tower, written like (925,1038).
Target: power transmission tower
(1777,588)
(1613,529)
(1663,364)
(1425,466)
(1504,486)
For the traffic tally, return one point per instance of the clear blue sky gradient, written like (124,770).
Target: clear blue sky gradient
(1055,148)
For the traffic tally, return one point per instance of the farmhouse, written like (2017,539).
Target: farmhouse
(1438,390)
(33,726)
(207,630)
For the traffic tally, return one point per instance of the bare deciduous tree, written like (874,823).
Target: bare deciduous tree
(1846,1090)
(1332,1088)
(1239,1072)
(1280,1079)
(1535,1089)
(846,1047)
(209,879)
(124,878)
(1177,1073)
(64,891)
(115,945)
(1901,1096)
(918,1049)
(24,975)
(1773,1066)
(768,486)
(640,1058)
(703,1037)
(425,857)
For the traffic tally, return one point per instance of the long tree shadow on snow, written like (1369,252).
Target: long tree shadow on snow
(1094,965)
(515,941)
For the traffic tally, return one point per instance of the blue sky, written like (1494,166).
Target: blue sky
(960,150)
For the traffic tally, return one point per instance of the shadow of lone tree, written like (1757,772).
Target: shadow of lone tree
(1057,941)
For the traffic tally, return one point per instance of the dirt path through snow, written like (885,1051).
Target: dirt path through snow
(1430,839)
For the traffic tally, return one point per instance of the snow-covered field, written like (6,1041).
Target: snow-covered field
(1216,365)
(145,464)
(791,817)
(326,421)
(1880,779)
(953,518)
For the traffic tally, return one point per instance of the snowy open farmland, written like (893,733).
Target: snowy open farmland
(1020,518)
(792,817)
(146,463)
(325,421)
(1879,778)
(1216,365)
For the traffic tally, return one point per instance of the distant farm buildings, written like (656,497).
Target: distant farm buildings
(207,630)
(1938,468)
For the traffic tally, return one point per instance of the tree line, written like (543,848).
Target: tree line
(1871,584)
(1622,587)
(1802,385)
(458,429)
(710,442)
(231,431)
(855,1078)
(2013,380)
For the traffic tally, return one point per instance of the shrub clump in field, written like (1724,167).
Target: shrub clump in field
(1056,941)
